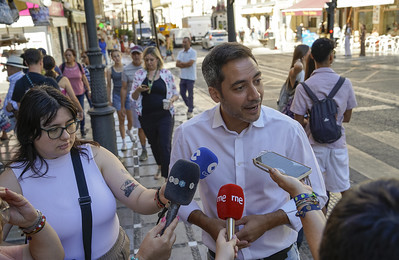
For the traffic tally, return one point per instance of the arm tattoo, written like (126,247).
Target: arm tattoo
(128,187)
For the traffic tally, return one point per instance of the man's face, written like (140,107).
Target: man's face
(186,44)
(241,94)
(136,57)
(12,70)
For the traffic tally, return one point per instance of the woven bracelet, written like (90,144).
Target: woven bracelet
(309,207)
(160,204)
(39,225)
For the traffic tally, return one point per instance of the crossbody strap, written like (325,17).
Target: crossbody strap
(30,81)
(84,202)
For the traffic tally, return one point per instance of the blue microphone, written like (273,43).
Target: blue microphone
(206,160)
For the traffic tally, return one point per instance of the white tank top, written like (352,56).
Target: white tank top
(56,196)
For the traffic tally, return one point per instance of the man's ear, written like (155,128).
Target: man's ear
(215,94)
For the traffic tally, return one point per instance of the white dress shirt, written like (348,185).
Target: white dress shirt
(273,131)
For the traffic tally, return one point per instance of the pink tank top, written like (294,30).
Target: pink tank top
(75,77)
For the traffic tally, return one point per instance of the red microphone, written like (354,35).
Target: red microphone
(230,205)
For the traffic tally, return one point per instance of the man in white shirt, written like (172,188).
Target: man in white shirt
(237,130)
(186,60)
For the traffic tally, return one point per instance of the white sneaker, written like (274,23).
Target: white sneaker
(130,134)
(124,147)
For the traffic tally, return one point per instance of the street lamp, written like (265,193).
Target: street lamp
(102,115)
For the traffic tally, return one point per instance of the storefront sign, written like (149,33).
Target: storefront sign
(307,13)
(358,3)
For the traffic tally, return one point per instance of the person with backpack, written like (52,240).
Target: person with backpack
(76,75)
(327,109)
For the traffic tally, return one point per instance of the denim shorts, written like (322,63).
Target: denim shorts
(116,102)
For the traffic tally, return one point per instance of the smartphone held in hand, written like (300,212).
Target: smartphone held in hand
(268,160)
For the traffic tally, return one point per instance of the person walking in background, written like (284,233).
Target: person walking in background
(63,82)
(85,63)
(155,92)
(14,67)
(169,48)
(298,32)
(187,62)
(333,157)
(363,32)
(295,75)
(103,47)
(114,78)
(348,34)
(130,113)
(33,58)
(42,169)
(75,73)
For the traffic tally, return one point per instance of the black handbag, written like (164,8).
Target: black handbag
(84,202)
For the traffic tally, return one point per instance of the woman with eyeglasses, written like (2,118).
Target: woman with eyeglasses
(43,241)
(43,171)
(155,92)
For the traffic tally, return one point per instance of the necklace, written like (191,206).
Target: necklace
(150,82)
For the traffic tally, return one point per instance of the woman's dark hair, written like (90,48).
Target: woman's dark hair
(49,65)
(72,51)
(299,52)
(39,107)
(220,56)
(310,67)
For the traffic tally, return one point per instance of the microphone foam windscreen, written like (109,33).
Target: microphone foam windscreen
(182,182)
(230,202)
(206,160)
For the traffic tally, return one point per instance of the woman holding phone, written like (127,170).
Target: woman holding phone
(155,91)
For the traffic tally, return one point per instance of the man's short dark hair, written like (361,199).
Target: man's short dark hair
(220,56)
(321,49)
(364,224)
(32,56)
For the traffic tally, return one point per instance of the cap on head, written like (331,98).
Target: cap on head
(15,61)
(136,48)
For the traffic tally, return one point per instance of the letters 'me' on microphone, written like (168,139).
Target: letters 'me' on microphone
(206,160)
(230,206)
(180,187)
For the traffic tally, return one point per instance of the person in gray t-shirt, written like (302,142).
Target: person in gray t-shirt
(127,81)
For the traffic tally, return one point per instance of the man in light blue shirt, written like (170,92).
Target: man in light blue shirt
(186,60)
(14,67)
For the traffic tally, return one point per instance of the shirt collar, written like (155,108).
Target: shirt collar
(15,75)
(323,70)
(218,120)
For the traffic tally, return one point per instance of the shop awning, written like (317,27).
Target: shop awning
(306,7)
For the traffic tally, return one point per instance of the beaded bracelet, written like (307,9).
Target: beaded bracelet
(309,207)
(160,204)
(134,258)
(39,225)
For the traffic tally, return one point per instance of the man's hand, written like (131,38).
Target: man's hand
(9,107)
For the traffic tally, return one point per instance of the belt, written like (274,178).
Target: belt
(281,255)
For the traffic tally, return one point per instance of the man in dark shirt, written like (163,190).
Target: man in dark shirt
(34,60)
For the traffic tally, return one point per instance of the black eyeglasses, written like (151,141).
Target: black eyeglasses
(56,132)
